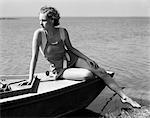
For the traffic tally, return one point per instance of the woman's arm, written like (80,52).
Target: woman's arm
(77,52)
(71,48)
(35,51)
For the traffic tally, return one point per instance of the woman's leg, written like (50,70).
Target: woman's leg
(77,74)
(100,72)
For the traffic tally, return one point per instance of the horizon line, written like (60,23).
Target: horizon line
(12,17)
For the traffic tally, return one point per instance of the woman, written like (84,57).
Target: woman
(52,40)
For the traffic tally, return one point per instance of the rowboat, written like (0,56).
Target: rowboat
(48,97)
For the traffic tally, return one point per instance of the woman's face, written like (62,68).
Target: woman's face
(45,22)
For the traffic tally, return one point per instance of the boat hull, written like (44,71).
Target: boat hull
(54,103)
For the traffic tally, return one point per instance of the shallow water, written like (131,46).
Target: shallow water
(118,44)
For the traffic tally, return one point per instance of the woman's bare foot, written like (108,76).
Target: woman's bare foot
(133,103)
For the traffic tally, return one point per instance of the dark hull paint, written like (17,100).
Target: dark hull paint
(55,103)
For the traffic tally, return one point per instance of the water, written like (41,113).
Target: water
(119,44)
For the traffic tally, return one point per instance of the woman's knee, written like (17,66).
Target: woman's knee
(101,72)
(87,74)
(77,73)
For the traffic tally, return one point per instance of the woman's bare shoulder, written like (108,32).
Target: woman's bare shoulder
(38,35)
(38,31)
(62,28)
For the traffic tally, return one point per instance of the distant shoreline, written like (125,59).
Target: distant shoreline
(14,18)
(7,18)
(71,17)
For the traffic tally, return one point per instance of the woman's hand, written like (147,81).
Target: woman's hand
(92,64)
(26,82)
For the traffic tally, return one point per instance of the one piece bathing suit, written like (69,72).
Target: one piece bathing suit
(55,52)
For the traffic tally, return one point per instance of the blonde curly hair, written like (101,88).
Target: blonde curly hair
(51,13)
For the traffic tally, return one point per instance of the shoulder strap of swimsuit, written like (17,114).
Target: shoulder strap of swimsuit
(62,34)
(44,41)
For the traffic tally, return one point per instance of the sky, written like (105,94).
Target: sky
(90,8)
